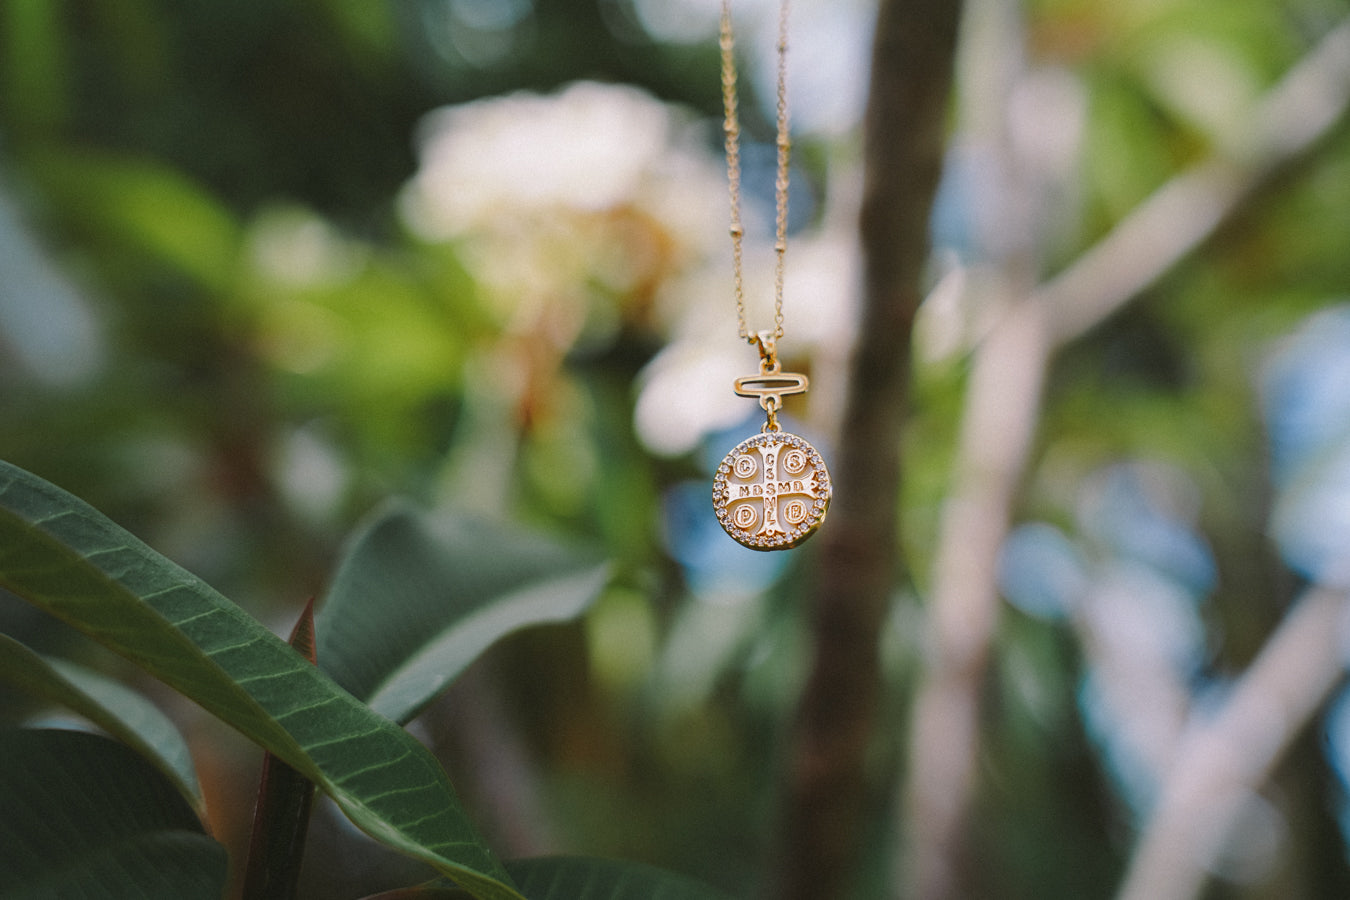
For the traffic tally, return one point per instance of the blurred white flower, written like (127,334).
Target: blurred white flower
(600,195)
(586,148)
(557,201)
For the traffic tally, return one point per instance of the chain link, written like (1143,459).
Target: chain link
(732,131)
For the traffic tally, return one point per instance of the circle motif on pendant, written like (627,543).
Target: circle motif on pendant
(776,514)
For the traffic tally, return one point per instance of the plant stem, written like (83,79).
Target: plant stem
(281,820)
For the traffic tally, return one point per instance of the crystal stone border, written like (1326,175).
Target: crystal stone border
(820,504)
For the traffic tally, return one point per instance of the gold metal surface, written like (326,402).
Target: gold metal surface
(770,385)
(731,127)
(772,491)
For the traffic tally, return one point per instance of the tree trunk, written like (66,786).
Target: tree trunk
(904,134)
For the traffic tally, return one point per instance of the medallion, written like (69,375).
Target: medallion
(771,491)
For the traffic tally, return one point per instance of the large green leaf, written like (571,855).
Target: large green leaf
(65,557)
(417,598)
(118,710)
(85,816)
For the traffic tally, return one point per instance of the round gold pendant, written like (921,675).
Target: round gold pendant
(771,491)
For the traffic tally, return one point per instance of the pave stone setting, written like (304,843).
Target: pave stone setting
(772,491)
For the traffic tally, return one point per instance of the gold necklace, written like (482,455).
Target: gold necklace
(772,490)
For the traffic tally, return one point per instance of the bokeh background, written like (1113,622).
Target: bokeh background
(263,264)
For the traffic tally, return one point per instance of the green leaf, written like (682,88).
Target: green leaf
(122,712)
(417,598)
(85,816)
(62,555)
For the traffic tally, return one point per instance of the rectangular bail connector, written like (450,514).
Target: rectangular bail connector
(771,386)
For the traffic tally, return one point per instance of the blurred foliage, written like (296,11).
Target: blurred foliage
(220,193)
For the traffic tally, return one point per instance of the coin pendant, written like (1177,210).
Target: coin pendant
(771,491)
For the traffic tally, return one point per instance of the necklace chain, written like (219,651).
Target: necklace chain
(772,490)
(732,130)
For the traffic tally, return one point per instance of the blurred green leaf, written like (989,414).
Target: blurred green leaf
(62,555)
(85,816)
(33,63)
(139,205)
(416,599)
(123,713)
(364,27)
(1131,147)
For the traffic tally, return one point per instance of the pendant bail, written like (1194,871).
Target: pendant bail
(768,351)
(772,383)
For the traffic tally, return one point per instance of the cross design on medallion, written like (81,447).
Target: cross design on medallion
(771,491)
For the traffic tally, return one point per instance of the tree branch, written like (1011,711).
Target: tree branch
(1284,126)
(1003,410)
(1222,762)
(997,431)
